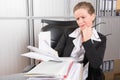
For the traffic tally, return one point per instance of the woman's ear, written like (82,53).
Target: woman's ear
(93,17)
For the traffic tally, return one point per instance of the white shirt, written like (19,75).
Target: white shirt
(78,50)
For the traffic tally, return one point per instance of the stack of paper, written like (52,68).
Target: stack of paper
(52,66)
(56,70)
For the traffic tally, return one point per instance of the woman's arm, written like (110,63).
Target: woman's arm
(95,53)
(61,44)
(65,45)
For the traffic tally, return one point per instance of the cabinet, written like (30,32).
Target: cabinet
(115,73)
(118,8)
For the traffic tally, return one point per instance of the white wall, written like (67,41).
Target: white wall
(14,36)
(13,42)
(49,8)
(12,8)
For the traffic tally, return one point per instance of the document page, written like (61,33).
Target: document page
(45,53)
(50,69)
(38,56)
(56,70)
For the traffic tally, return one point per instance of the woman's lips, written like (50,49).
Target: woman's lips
(81,25)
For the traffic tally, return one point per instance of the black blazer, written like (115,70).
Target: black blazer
(94,53)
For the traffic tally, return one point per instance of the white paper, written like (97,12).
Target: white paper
(44,78)
(45,53)
(48,51)
(44,36)
(40,56)
(76,72)
(52,70)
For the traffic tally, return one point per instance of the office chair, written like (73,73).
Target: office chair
(57,28)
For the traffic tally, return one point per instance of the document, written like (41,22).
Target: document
(56,71)
(46,54)
(50,69)
(52,66)
(39,56)
(46,50)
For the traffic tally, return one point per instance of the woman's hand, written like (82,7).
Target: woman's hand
(86,34)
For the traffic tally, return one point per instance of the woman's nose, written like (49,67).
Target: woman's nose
(80,21)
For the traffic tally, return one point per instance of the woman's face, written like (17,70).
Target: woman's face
(83,18)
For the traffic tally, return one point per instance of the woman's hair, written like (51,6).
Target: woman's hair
(85,5)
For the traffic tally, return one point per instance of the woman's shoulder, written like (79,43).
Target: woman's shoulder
(102,36)
(70,30)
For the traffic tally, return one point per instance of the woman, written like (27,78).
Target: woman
(84,42)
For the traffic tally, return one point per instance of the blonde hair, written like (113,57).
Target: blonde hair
(85,5)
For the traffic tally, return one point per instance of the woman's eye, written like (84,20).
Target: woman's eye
(77,18)
(83,17)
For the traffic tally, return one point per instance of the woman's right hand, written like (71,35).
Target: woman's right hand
(86,34)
